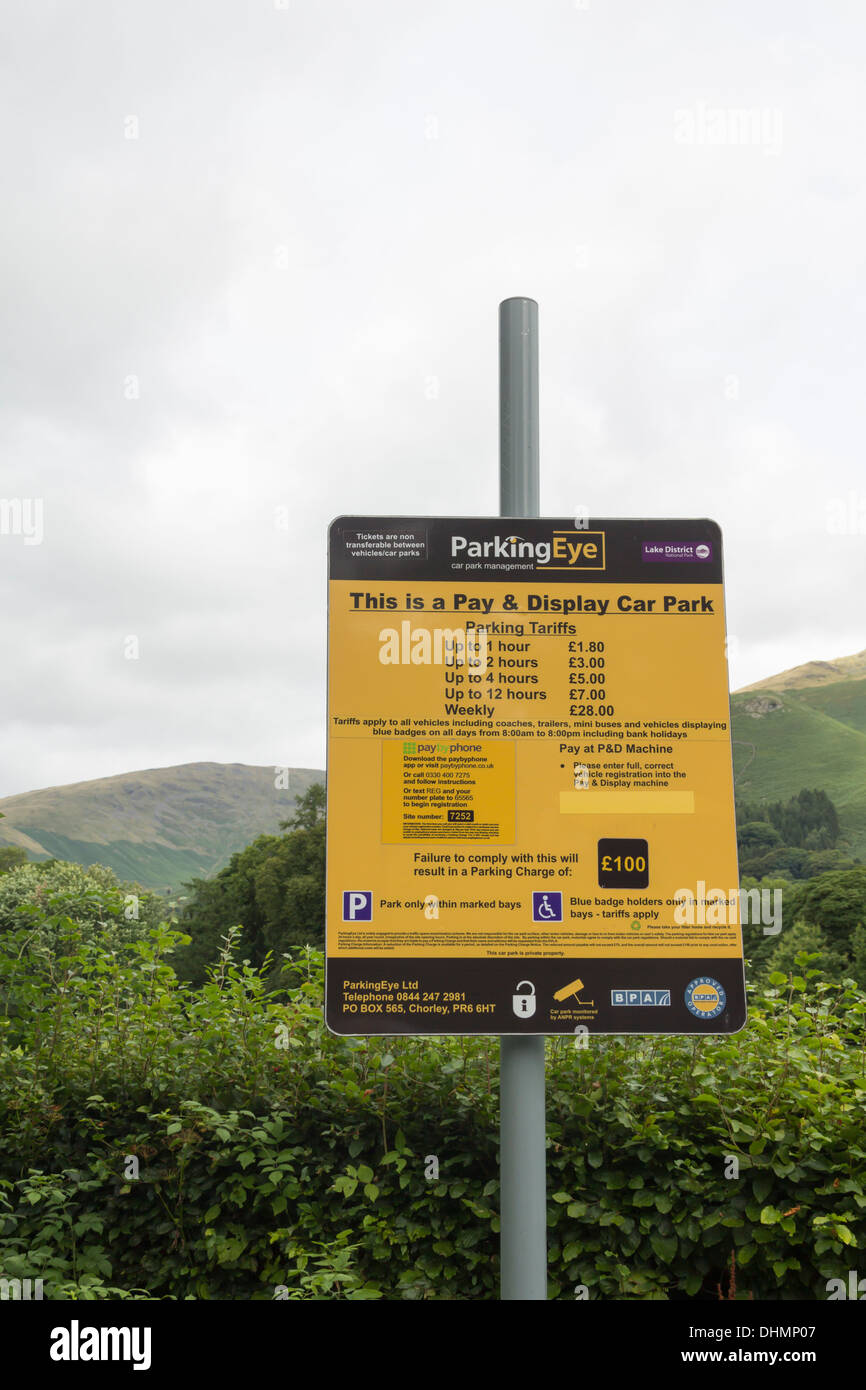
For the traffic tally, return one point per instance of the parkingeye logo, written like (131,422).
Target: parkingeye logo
(705,998)
(565,550)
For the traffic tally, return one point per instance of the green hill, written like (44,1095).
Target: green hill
(805,736)
(845,702)
(159,827)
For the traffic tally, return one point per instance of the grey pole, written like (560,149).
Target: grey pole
(518,407)
(522,1157)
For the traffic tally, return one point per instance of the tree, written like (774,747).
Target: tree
(309,811)
(757,835)
(836,902)
(806,821)
(759,945)
(10,857)
(274,889)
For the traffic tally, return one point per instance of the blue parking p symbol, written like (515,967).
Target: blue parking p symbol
(358,906)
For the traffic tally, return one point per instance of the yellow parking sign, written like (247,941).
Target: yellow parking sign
(530,778)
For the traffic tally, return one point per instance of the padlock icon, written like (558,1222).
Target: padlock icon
(524,1004)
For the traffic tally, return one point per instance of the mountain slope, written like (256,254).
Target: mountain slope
(158,827)
(813,673)
(790,737)
(844,701)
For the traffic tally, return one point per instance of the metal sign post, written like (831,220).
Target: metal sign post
(530,795)
(522,1157)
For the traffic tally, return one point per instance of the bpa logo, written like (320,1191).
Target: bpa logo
(357,907)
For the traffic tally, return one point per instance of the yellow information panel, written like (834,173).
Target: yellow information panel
(530,793)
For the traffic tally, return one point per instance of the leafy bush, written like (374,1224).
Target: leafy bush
(833,963)
(222,1143)
(103,907)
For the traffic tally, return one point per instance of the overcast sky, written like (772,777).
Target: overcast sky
(251,255)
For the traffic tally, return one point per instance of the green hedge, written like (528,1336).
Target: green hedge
(277,1160)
